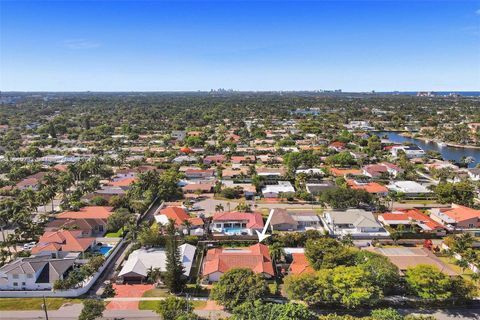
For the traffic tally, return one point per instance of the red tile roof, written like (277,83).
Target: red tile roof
(370,187)
(461,213)
(63,240)
(125,182)
(91,212)
(300,264)
(411,215)
(254,219)
(343,172)
(256,258)
(175,213)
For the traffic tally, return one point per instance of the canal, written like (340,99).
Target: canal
(447,152)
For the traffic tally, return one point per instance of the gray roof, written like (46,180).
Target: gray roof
(50,269)
(356,217)
(281,216)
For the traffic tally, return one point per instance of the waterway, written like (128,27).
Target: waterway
(447,152)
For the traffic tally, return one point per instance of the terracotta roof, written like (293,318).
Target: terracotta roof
(175,213)
(461,213)
(343,172)
(411,215)
(300,264)
(254,219)
(125,182)
(63,240)
(91,212)
(370,187)
(256,258)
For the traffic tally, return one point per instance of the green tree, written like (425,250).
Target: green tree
(92,309)
(461,193)
(427,282)
(174,278)
(328,253)
(237,286)
(386,314)
(272,311)
(173,308)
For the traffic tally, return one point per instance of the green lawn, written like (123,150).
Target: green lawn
(7,304)
(117,234)
(449,261)
(152,305)
(156,293)
(148,305)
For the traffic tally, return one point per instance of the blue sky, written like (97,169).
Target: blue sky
(244,45)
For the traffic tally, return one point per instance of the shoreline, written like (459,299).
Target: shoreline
(449,144)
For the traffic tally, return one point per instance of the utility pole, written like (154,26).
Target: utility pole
(44,307)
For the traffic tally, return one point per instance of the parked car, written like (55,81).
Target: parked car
(29,245)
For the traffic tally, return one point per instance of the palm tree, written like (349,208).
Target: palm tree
(219,208)
(276,252)
(187,224)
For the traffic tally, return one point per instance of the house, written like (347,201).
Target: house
(185,159)
(243,159)
(274,191)
(235,173)
(411,151)
(337,146)
(282,220)
(105,192)
(271,174)
(142,260)
(220,260)
(123,183)
(409,188)
(89,227)
(318,187)
(180,216)
(178,134)
(355,222)
(89,212)
(456,217)
(359,125)
(199,173)
(216,159)
(370,187)
(377,170)
(198,187)
(300,264)
(405,258)
(52,242)
(237,223)
(412,217)
(32,181)
(34,273)
(345,172)
(316,172)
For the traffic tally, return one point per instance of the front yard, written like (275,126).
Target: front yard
(9,304)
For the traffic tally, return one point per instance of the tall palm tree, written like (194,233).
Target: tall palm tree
(219,207)
(188,225)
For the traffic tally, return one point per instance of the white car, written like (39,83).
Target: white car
(29,245)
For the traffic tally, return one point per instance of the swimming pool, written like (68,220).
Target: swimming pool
(235,231)
(105,250)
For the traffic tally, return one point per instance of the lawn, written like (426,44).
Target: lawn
(148,305)
(156,293)
(117,234)
(449,261)
(7,304)
(152,305)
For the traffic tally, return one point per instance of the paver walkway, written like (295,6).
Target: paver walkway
(128,291)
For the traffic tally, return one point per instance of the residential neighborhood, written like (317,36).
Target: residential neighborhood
(233,210)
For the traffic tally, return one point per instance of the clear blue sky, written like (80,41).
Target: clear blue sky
(159,45)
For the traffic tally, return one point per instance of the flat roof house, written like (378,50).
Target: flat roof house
(409,188)
(220,260)
(273,191)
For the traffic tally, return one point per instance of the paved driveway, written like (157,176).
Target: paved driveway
(128,291)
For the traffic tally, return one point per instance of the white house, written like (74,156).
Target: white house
(273,191)
(409,188)
(355,222)
(140,261)
(411,151)
(34,273)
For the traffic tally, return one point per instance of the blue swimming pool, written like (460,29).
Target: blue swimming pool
(105,249)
